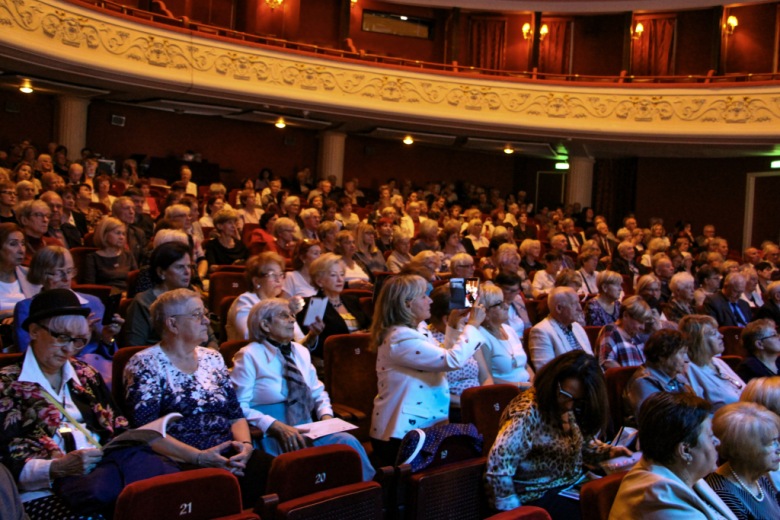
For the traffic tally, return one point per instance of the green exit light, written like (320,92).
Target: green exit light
(775,164)
(565,165)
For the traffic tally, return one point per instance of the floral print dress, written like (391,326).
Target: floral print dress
(205,398)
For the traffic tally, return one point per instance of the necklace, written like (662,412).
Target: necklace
(739,481)
(337,303)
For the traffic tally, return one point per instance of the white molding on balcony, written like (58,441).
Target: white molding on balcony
(65,37)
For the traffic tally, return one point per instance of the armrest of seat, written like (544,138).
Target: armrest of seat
(266,506)
(255,432)
(348,413)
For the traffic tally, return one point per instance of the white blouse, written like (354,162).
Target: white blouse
(10,295)
(295,285)
(720,387)
(258,378)
(237,326)
(508,359)
(355,273)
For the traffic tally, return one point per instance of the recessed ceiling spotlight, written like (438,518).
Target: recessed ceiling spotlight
(280,123)
(408,139)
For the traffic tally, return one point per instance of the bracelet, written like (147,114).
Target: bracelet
(250,443)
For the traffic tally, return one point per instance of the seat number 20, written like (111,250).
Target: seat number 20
(319,478)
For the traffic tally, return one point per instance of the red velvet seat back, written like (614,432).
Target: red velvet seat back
(482,406)
(732,340)
(313,470)
(224,307)
(617,378)
(454,491)
(732,361)
(362,501)
(229,349)
(597,497)
(593,336)
(79,255)
(10,359)
(350,371)
(202,494)
(222,284)
(121,358)
(522,513)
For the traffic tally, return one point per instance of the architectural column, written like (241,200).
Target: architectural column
(332,156)
(72,124)
(579,185)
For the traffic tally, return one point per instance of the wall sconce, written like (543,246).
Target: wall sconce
(731,24)
(527,33)
(637,32)
(274,3)
(352,3)
(543,32)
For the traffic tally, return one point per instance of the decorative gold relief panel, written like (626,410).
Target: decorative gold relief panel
(121,49)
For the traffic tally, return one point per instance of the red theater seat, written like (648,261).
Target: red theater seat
(482,406)
(522,513)
(121,358)
(597,497)
(617,378)
(201,494)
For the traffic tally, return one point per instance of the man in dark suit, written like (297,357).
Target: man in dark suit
(664,270)
(142,221)
(65,232)
(771,308)
(726,306)
(124,210)
(605,244)
(574,240)
(623,261)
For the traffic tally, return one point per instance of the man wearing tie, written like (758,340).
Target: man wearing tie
(573,239)
(726,306)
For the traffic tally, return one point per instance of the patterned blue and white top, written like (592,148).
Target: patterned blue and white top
(205,398)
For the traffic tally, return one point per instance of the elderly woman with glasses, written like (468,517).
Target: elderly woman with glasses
(530,255)
(178,376)
(681,304)
(170,267)
(227,248)
(502,356)
(605,308)
(400,255)
(34,217)
(547,434)
(762,341)
(710,377)
(679,451)
(284,238)
(462,266)
(749,436)
(52,268)
(449,238)
(58,413)
(265,274)
(112,262)
(474,240)
(356,274)
(343,313)
(366,250)
(277,386)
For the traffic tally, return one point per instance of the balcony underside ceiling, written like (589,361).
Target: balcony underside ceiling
(565,6)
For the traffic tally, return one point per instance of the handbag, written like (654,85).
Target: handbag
(419,447)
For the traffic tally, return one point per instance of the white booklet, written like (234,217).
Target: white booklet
(316,310)
(147,433)
(319,429)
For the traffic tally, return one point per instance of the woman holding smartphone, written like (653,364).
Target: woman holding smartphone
(411,365)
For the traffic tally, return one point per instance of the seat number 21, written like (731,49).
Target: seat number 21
(185,509)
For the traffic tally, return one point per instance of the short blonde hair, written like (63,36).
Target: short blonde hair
(263,311)
(170,235)
(490,295)
(281,222)
(289,201)
(507,252)
(391,308)
(474,222)
(527,243)
(637,309)
(224,215)
(679,279)
(764,391)
(256,264)
(567,278)
(217,188)
(104,227)
(457,259)
(693,326)
(608,278)
(323,265)
(177,210)
(361,246)
(744,429)
(646,280)
(46,259)
(429,229)
(168,303)
(657,245)
(326,227)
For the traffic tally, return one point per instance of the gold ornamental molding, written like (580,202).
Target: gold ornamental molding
(69,37)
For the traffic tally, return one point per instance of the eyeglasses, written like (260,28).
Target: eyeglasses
(775,335)
(47,216)
(273,276)
(199,315)
(8,192)
(62,339)
(284,316)
(465,266)
(578,403)
(63,273)
(504,306)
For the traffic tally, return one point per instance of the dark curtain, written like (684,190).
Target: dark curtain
(554,49)
(652,53)
(488,40)
(614,189)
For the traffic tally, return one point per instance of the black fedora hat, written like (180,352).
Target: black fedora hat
(54,302)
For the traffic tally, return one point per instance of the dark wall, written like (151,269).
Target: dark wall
(751,47)
(319,22)
(399,46)
(384,159)
(694,42)
(240,146)
(34,121)
(598,45)
(704,191)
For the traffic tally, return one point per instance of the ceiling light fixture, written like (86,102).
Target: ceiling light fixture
(509,150)
(404,18)
(26,88)
(562,166)
(280,123)
(274,3)
(408,139)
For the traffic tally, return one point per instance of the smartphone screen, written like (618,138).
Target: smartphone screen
(472,291)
